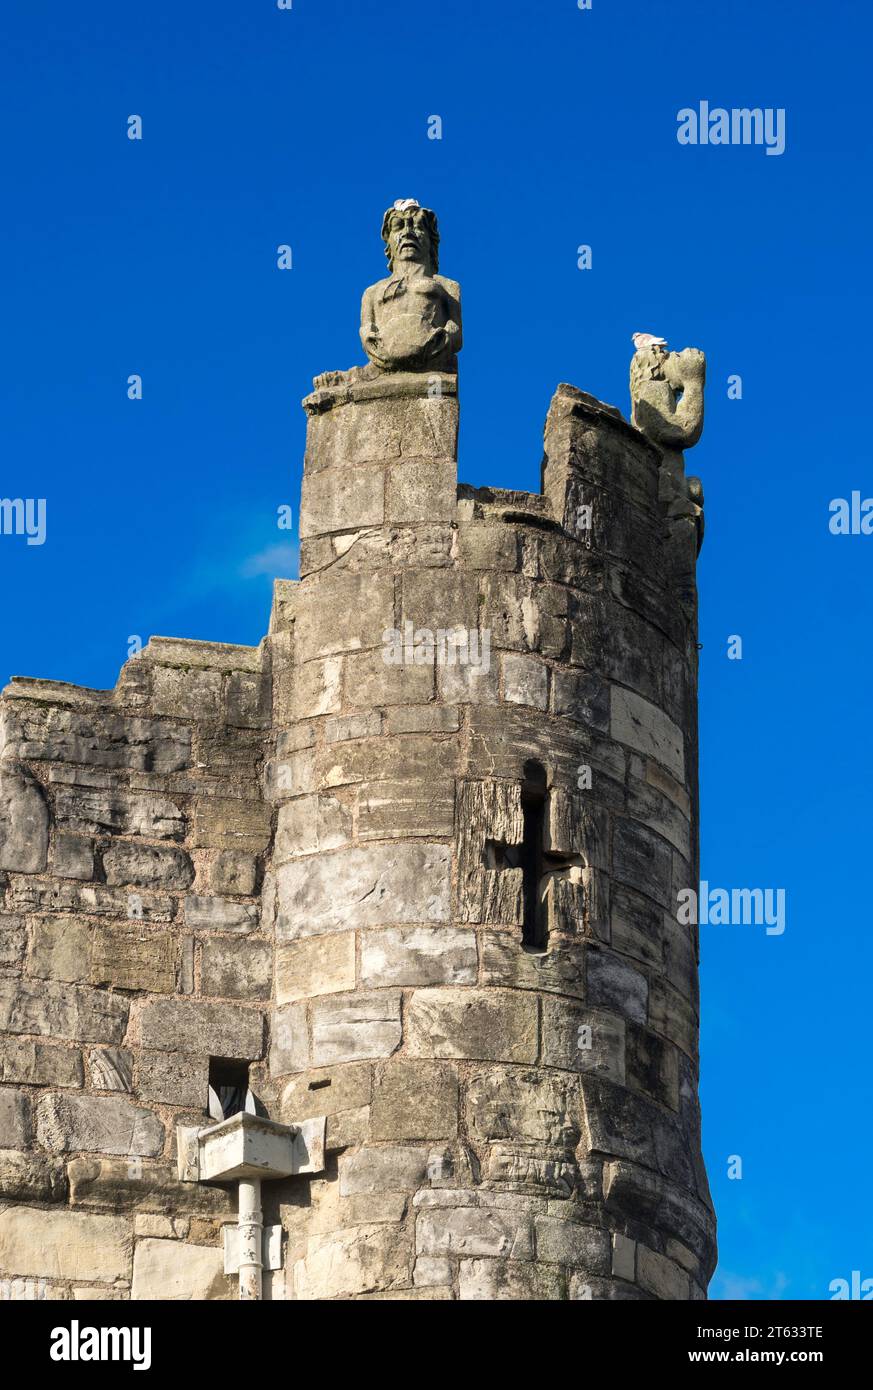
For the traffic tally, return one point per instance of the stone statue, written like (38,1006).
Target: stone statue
(667,407)
(411,321)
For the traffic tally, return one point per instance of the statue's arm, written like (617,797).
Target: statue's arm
(453,326)
(368,318)
(369,330)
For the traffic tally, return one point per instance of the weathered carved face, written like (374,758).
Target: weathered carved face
(409,240)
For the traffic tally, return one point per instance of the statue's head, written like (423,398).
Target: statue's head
(411,236)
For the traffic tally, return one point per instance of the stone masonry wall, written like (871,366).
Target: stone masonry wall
(307,858)
(133,838)
(483,1144)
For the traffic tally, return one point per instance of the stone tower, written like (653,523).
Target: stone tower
(411,865)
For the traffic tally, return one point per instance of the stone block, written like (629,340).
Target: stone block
(376,885)
(219,1030)
(525,681)
(316,965)
(660,813)
(440,602)
(530,1107)
(94,811)
(233,871)
(355,1027)
(644,727)
(489,547)
(361,607)
(31,1177)
(173,1078)
(406,808)
(316,687)
(337,499)
(414,1100)
(624,1257)
(103,739)
(673,1015)
(12,939)
(423,719)
(371,680)
(220,914)
(570,1243)
(363,1259)
(409,956)
(652,1066)
(110,1069)
(413,760)
(489,814)
(642,860)
(421,490)
(290,1047)
(376,426)
(468,684)
(64,1245)
(625,1125)
(581,696)
(660,1276)
(236,969)
(328,1092)
(474,1232)
(62,1011)
(310,825)
(227,823)
(136,959)
(159,1227)
(134,1184)
(578,1039)
(24,822)
(615,985)
(637,926)
(60,949)
(97,1124)
(247,700)
(576,826)
(73,857)
(149,866)
(14,1118)
(38,1063)
(187,694)
(484,1025)
(488,1281)
(510,612)
(432,1272)
(560,970)
(172,1270)
(372,1171)
(349,726)
(59,895)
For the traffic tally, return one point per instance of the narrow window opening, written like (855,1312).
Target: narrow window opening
(228,1087)
(533,810)
(499,855)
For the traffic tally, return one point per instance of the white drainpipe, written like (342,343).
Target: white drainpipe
(251,1239)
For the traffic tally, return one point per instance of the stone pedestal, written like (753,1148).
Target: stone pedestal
(380,452)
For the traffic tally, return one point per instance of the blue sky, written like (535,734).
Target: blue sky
(263,127)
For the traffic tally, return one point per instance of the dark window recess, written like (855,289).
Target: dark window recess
(533,810)
(228,1087)
(499,855)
